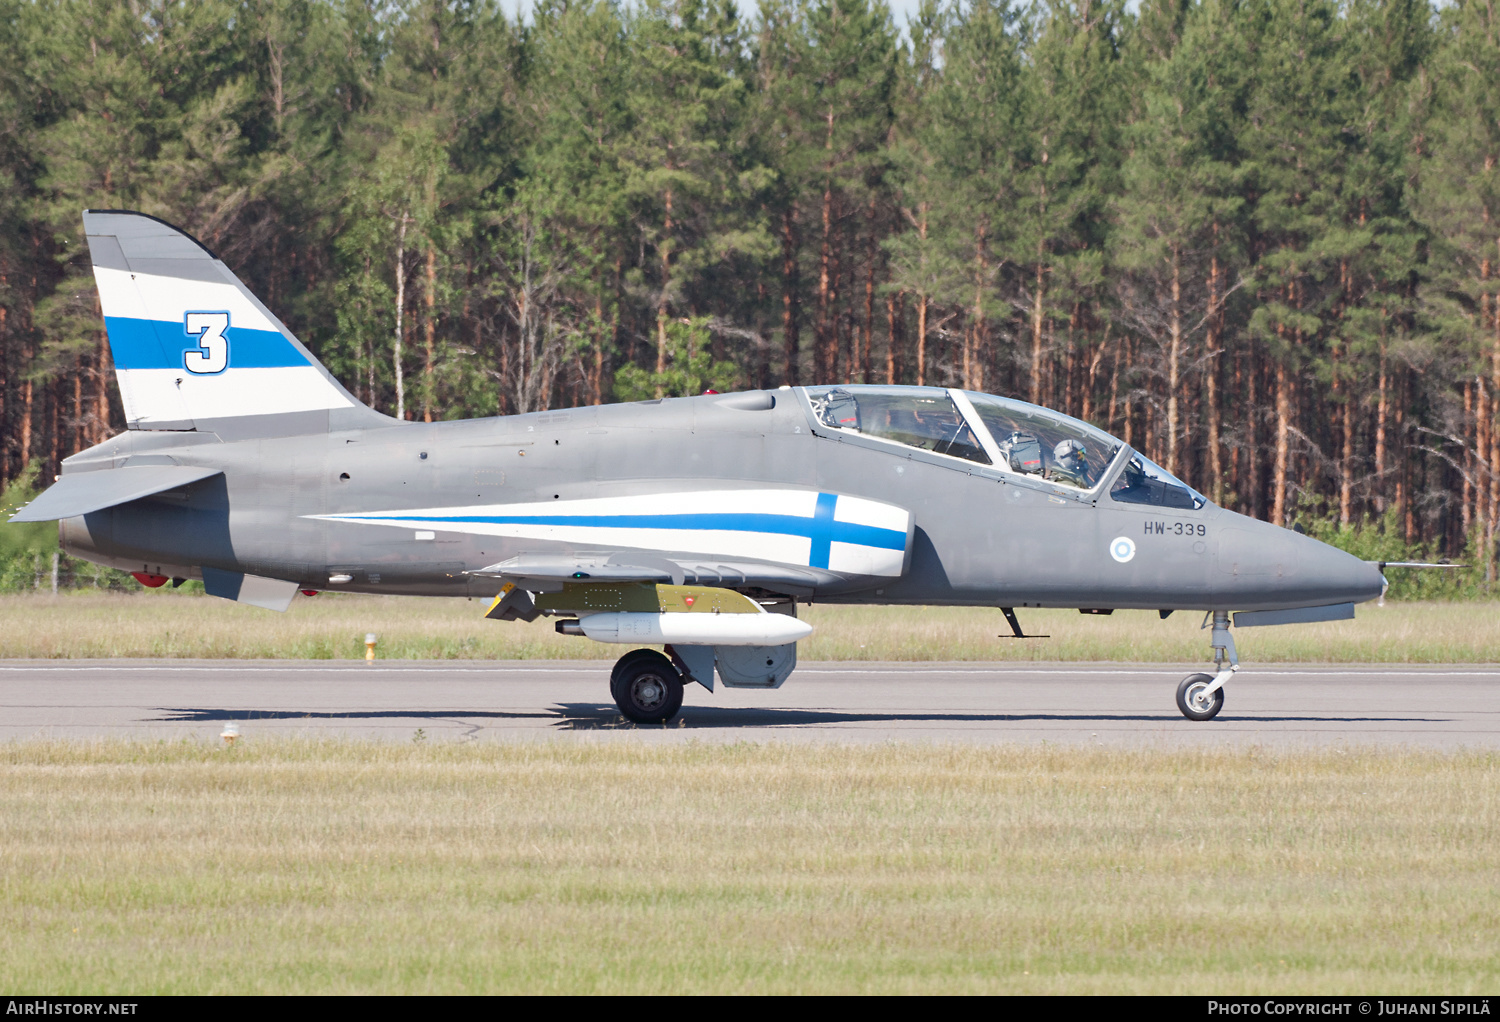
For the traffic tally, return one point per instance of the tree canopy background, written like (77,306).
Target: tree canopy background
(1257,239)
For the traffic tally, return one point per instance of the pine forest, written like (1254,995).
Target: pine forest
(1259,240)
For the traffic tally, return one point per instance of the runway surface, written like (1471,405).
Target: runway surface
(464,700)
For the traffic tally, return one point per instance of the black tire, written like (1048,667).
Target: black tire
(648,690)
(1194,707)
(634,656)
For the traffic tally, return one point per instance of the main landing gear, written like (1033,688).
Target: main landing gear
(1201,696)
(647,687)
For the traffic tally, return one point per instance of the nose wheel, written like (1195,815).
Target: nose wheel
(1201,696)
(1197,699)
(646,687)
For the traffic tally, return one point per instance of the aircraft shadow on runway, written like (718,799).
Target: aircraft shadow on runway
(581,716)
(207,715)
(594,716)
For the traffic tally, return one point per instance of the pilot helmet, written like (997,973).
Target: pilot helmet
(1071,455)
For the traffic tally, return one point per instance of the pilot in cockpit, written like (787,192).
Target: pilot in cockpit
(1070,463)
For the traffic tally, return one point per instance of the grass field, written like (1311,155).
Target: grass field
(334,626)
(287,867)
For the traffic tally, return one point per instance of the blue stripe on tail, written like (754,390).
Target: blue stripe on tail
(158,344)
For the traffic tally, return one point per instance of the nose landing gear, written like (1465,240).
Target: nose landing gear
(1201,696)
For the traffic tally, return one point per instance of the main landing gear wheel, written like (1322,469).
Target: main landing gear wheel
(1192,701)
(634,656)
(646,687)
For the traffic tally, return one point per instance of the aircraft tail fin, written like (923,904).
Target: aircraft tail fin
(194,349)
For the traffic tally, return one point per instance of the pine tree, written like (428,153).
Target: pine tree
(1067,160)
(1180,212)
(1457,198)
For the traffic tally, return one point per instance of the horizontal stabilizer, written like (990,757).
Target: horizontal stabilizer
(83,492)
(1300,616)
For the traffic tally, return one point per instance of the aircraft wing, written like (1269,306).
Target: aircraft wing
(543,572)
(83,492)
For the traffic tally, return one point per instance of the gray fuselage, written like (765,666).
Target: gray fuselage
(981,536)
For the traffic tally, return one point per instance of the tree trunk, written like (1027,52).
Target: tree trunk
(838,361)
(922,305)
(1398,415)
(1466,466)
(973,371)
(1114,383)
(791,300)
(1481,453)
(429,299)
(596,372)
(1070,363)
(1254,490)
(893,360)
(27,402)
(1381,410)
(1283,443)
(77,431)
(101,383)
(54,428)
(1211,378)
(666,280)
(1346,465)
(822,340)
(400,312)
(1492,521)
(1174,358)
(921,340)
(869,327)
(1036,331)
(1096,357)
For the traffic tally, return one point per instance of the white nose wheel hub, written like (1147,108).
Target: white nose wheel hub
(1201,696)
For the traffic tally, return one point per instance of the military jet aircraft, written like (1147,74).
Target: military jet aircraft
(694,524)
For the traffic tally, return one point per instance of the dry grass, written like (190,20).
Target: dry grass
(289,867)
(334,626)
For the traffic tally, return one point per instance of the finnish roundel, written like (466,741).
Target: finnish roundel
(1122,548)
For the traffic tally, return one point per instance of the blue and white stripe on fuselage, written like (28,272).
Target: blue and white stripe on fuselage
(849,535)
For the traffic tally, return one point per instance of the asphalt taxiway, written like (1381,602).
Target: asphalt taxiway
(1113,704)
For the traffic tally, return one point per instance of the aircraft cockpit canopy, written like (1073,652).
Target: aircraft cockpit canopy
(982,428)
(917,417)
(1036,441)
(1145,482)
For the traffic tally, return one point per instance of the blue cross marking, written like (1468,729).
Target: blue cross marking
(823,531)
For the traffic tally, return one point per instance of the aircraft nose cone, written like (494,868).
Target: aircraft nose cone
(1327,571)
(1268,567)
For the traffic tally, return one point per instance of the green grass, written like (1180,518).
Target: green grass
(334,626)
(295,866)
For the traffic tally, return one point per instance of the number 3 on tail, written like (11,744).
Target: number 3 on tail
(212,353)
